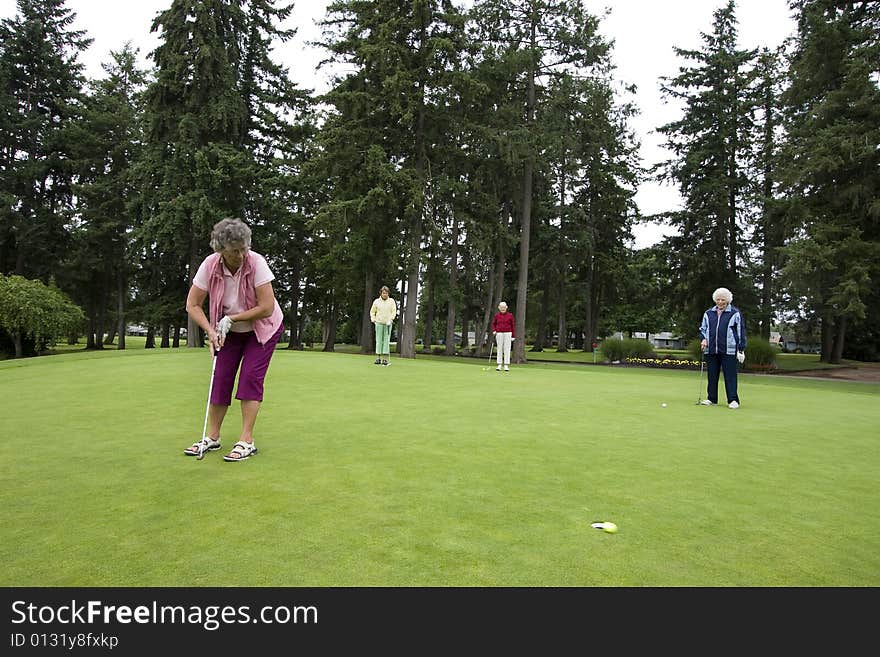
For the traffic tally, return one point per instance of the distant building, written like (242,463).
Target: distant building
(661,340)
(804,345)
(668,340)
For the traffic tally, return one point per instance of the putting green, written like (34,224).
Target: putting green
(433,473)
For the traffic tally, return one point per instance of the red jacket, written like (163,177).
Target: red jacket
(504,323)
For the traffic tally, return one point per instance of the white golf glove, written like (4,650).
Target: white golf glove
(223,326)
(389,323)
(741,356)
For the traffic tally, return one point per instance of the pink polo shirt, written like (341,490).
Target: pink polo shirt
(232,304)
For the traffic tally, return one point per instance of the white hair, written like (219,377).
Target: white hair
(230,232)
(503,303)
(723,293)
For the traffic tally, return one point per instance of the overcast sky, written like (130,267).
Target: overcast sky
(644,33)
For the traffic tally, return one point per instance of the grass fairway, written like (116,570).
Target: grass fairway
(433,473)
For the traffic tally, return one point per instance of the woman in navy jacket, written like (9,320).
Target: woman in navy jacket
(724,343)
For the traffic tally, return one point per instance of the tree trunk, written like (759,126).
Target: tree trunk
(541,335)
(166,335)
(597,297)
(768,243)
(465,328)
(330,328)
(483,339)
(175,341)
(295,341)
(193,330)
(429,318)
(837,351)
(406,334)
(100,317)
(519,351)
(16,341)
(562,345)
(150,342)
(431,282)
(522,288)
(120,309)
(401,312)
(827,336)
(300,330)
(90,331)
(453,291)
(366,338)
(500,265)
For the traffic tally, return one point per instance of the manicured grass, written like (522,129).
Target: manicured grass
(785,362)
(433,473)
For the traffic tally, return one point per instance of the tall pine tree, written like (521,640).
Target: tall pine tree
(710,146)
(40,92)
(832,170)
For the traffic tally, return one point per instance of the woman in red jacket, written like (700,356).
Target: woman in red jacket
(503,328)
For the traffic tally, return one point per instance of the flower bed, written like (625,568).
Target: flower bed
(665,363)
(687,364)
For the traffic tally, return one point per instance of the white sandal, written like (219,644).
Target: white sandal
(242,450)
(207,445)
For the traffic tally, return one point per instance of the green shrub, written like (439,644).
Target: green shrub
(32,313)
(760,354)
(638,348)
(612,349)
(694,350)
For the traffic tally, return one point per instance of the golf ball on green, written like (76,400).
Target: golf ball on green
(610,527)
(663,405)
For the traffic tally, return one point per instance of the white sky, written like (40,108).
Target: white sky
(644,32)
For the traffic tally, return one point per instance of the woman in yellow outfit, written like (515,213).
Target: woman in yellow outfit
(382,314)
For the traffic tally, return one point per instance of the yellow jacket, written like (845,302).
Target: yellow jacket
(383,311)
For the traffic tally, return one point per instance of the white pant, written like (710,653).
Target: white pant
(503,340)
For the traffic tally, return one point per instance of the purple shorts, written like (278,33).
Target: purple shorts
(242,349)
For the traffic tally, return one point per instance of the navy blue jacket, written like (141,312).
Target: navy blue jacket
(726,335)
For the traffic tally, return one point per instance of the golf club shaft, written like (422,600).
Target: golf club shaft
(700,393)
(208,405)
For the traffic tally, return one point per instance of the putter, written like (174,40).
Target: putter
(201,454)
(700,394)
(491,347)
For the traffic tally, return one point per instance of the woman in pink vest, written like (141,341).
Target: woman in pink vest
(244,326)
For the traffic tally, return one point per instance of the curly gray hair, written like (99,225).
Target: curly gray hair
(723,293)
(231,232)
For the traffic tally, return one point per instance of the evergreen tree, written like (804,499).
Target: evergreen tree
(196,168)
(711,145)
(217,137)
(532,41)
(832,169)
(40,86)
(388,110)
(107,142)
(771,228)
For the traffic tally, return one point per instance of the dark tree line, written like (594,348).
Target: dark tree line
(462,155)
